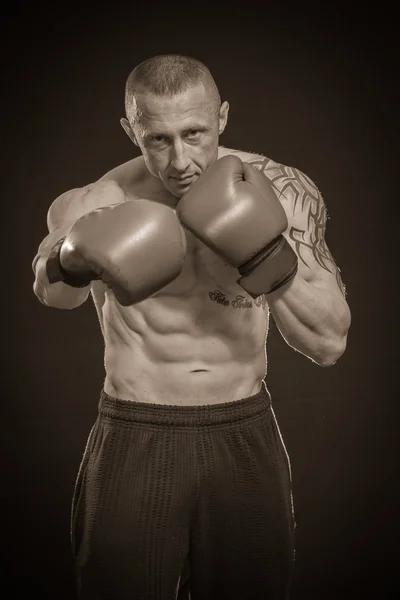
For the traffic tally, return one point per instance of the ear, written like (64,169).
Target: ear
(223,116)
(128,130)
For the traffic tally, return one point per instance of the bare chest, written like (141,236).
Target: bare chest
(206,275)
(205,299)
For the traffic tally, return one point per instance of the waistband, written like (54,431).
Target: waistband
(196,416)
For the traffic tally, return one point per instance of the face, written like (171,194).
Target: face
(178,136)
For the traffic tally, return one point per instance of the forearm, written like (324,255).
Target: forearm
(55,295)
(312,319)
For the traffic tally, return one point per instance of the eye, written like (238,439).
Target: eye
(193,134)
(158,139)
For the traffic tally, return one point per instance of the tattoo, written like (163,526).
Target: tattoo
(317,217)
(301,193)
(219,297)
(239,302)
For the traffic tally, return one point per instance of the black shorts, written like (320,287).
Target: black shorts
(176,498)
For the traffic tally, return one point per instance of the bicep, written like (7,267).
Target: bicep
(61,215)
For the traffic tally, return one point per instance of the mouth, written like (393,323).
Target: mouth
(183,180)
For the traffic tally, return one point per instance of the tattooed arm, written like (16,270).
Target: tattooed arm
(310,311)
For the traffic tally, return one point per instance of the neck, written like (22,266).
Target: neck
(153,188)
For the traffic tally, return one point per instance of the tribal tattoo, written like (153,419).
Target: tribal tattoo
(303,195)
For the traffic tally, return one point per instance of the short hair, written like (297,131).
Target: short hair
(167,75)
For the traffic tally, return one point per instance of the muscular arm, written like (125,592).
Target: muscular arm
(61,216)
(310,311)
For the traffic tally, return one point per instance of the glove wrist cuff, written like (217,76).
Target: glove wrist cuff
(55,271)
(271,268)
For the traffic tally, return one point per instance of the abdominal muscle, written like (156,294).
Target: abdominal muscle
(195,342)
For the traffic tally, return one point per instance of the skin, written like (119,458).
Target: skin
(202,338)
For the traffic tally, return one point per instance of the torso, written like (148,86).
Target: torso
(200,340)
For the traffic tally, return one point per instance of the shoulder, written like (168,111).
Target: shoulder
(299,195)
(258,160)
(110,188)
(282,176)
(128,174)
(74,203)
(296,190)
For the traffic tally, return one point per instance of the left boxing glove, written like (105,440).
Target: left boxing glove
(233,209)
(136,248)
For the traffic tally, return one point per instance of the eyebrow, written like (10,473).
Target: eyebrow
(201,128)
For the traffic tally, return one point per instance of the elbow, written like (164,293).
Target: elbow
(326,345)
(57,295)
(329,352)
(63,299)
(332,345)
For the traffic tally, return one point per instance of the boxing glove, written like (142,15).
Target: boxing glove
(233,209)
(136,248)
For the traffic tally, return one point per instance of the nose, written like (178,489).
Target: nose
(179,159)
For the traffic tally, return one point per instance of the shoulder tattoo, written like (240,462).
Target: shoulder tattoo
(303,196)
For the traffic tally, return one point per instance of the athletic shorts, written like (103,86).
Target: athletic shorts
(178,502)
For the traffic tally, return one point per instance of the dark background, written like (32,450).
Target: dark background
(312,89)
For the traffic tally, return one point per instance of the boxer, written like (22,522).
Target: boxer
(185,488)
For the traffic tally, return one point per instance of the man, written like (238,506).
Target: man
(186,251)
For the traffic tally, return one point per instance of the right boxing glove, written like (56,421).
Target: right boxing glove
(136,248)
(234,210)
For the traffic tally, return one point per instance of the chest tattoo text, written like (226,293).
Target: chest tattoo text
(238,302)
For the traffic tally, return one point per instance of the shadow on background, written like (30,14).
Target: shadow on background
(305,89)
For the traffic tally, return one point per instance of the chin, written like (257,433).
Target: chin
(179,195)
(173,192)
(179,191)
